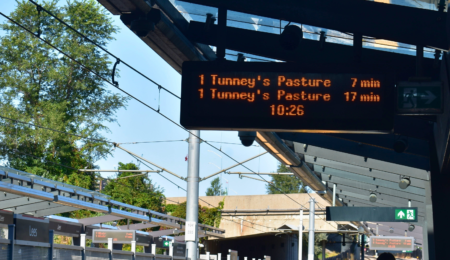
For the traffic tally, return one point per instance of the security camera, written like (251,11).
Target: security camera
(247,138)
(404,183)
(160,239)
(361,230)
(373,197)
(401,145)
(114,224)
(291,37)
(411,228)
(391,230)
(142,26)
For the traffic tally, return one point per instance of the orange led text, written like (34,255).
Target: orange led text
(303,82)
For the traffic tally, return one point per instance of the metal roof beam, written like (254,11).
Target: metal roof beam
(385,199)
(427,29)
(53,211)
(18,201)
(371,148)
(361,161)
(136,226)
(375,185)
(33,207)
(388,176)
(243,40)
(98,220)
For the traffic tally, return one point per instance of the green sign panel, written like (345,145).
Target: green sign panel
(166,243)
(406,214)
(419,98)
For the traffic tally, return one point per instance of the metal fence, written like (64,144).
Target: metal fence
(93,253)
(67,252)
(143,256)
(122,255)
(5,250)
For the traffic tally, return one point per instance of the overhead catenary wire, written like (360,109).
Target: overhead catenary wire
(143,103)
(102,48)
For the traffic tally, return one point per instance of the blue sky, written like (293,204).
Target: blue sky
(138,123)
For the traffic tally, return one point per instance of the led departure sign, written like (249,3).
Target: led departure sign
(118,236)
(273,96)
(391,243)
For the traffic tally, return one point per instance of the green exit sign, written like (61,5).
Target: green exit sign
(406,214)
(166,243)
(420,98)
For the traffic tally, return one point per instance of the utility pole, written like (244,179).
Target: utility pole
(312,214)
(300,236)
(192,194)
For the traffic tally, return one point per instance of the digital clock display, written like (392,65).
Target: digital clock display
(283,97)
(391,243)
(118,236)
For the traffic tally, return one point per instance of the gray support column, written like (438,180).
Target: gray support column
(334,195)
(110,247)
(192,190)
(11,235)
(427,228)
(363,238)
(83,245)
(133,246)
(50,240)
(324,243)
(312,214)
(300,236)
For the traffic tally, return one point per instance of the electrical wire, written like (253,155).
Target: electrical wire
(149,142)
(148,106)
(58,131)
(181,187)
(102,48)
(37,157)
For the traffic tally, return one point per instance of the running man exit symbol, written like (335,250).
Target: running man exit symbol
(410,214)
(405,214)
(419,98)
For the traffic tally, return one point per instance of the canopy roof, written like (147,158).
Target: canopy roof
(24,193)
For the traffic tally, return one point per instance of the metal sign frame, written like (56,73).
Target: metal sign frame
(193,117)
(109,233)
(390,248)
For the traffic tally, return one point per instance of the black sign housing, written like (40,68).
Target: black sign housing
(66,228)
(6,217)
(30,228)
(118,236)
(378,214)
(285,97)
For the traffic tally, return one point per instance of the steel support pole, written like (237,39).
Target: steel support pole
(363,238)
(334,195)
(312,214)
(300,236)
(192,189)
(324,244)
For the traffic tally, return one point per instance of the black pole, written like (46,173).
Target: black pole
(362,246)
(221,37)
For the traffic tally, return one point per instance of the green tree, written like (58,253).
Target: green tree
(215,189)
(207,216)
(285,183)
(40,86)
(138,191)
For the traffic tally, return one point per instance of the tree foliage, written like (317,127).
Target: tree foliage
(138,191)
(207,216)
(42,87)
(215,189)
(285,183)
